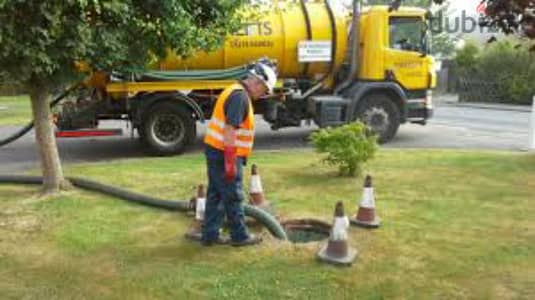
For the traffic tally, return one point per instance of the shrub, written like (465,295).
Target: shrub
(467,56)
(506,65)
(513,70)
(347,147)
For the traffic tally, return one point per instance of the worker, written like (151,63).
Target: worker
(229,141)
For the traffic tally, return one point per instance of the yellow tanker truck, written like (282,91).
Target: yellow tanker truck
(335,67)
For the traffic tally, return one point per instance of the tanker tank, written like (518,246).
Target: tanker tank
(276,36)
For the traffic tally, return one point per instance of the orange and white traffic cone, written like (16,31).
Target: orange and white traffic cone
(195,230)
(337,250)
(193,202)
(366,216)
(256,196)
(256,191)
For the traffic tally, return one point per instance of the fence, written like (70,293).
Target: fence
(469,85)
(472,88)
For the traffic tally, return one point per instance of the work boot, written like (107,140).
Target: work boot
(251,240)
(219,241)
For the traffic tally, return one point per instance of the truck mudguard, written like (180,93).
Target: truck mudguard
(358,90)
(145,101)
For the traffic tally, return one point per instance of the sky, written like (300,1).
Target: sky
(468,5)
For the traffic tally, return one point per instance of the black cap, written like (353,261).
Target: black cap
(339,210)
(368,182)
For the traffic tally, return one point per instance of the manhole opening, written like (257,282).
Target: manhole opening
(306,230)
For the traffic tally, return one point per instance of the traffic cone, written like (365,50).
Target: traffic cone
(192,203)
(366,216)
(256,196)
(337,251)
(256,192)
(195,230)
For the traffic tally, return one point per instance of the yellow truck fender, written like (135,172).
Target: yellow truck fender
(143,103)
(359,90)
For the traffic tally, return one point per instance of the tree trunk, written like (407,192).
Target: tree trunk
(53,180)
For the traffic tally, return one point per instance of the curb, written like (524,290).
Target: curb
(503,107)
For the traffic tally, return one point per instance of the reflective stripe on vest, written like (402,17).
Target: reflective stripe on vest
(216,125)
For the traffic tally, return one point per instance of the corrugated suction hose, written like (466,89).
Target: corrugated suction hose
(264,218)
(24,130)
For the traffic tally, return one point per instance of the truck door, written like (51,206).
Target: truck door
(405,57)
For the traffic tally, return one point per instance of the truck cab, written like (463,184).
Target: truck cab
(394,78)
(395,50)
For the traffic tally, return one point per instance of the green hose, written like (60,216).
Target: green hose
(234,73)
(274,227)
(194,73)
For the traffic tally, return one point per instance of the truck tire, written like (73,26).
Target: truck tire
(380,114)
(167,129)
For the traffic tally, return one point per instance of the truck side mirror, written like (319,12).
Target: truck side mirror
(394,5)
(425,41)
(429,15)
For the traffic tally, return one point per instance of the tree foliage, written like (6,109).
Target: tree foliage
(511,16)
(466,57)
(41,40)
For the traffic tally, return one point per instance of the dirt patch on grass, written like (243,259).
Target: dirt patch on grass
(20,221)
(26,223)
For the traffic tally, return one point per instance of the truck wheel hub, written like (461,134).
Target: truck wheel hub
(377,119)
(167,129)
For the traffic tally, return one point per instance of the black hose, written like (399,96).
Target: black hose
(334,39)
(24,130)
(127,195)
(274,227)
(354,47)
(309,31)
(16,179)
(266,219)
(334,36)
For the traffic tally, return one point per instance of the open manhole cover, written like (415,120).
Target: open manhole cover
(306,230)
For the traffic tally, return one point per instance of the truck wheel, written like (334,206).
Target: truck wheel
(380,114)
(168,128)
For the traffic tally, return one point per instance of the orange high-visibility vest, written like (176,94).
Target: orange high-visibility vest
(216,125)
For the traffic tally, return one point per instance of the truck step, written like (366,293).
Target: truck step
(328,110)
(88,133)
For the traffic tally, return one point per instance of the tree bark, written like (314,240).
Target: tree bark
(53,179)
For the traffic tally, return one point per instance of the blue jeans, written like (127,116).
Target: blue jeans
(224,198)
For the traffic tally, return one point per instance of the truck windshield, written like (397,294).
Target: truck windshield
(406,34)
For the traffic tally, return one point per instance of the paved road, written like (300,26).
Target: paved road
(452,127)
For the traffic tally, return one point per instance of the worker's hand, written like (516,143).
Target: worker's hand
(230,163)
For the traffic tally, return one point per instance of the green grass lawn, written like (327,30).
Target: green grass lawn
(456,225)
(17,110)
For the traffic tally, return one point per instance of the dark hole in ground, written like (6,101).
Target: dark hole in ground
(306,230)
